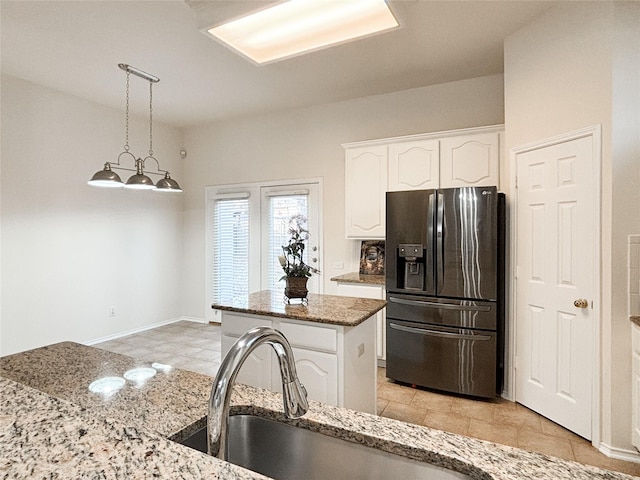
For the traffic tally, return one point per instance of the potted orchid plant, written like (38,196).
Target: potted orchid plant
(296,271)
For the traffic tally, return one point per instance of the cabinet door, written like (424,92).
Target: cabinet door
(318,372)
(470,161)
(365,187)
(370,291)
(414,165)
(256,370)
(635,386)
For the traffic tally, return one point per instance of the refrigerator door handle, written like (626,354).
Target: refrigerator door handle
(437,333)
(443,306)
(439,243)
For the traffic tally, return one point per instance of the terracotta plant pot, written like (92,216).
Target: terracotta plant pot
(296,287)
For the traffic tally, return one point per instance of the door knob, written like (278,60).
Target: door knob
(581,303)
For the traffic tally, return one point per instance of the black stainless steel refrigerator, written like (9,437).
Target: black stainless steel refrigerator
(445,289)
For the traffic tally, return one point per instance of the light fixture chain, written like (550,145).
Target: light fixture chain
(126,141)
(151,119)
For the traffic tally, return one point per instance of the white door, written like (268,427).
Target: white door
(279,204)
(556,286)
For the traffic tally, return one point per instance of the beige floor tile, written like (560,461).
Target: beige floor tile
(517,417)
(504,434)
(478,409)
(552,428)
(548,444)
(436,402)
(396,393)
(381,404)
(403,412)
(449,423)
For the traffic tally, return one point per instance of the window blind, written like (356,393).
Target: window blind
(230,248)
(282,207)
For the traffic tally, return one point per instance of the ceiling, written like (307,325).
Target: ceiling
(75,46)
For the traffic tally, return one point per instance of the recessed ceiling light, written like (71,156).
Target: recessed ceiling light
(298,26)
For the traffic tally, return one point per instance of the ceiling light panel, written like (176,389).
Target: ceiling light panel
(299,26)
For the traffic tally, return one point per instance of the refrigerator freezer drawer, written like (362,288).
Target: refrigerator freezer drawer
(438,311)
(450,359)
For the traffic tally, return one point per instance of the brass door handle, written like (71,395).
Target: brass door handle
(581,303)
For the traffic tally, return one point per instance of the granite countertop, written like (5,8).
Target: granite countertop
(635,319)
(332,309)
(355,277)
(51,426)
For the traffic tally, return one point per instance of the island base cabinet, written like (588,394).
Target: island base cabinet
(256,370)
(318,372)
(336,364)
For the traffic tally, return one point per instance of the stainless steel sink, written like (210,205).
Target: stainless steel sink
(286,452)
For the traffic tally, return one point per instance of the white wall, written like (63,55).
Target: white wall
(69,251)
(579,65)
(306,143)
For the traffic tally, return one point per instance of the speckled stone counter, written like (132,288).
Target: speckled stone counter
(355,277)
(333,309)
(69,432)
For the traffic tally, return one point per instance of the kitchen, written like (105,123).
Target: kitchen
(106,245)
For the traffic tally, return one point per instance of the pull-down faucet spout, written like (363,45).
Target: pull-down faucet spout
(293,392)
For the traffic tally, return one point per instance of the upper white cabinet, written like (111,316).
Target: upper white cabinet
(459,158)
(470,161)
(366,184)
(414,165)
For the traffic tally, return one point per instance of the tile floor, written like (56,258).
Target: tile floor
(196,347)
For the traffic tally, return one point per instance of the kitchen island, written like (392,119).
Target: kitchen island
(52,426)
(333,340)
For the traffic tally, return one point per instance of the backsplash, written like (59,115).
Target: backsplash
(634,275)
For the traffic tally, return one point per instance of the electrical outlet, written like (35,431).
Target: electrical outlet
(360,349)
(112,311)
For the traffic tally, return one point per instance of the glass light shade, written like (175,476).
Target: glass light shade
(167,184)
(106,178)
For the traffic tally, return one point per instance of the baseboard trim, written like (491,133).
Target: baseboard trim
(193,319)
(144,328)
(620,453)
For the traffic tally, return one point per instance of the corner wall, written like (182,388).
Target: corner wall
(306,143)
(576,66)
(70,251)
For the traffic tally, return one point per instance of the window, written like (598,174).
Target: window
(230,248)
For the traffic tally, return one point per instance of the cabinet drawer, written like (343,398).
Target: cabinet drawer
(233,324)
(365,291)
(306,336)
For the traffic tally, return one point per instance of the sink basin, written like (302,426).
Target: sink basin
(286,452)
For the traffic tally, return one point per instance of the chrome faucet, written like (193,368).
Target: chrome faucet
(294,395)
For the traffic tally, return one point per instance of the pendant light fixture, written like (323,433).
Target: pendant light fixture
(139,180)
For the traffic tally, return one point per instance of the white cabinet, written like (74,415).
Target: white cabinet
(470,161)
(364,290)
(318,372)
(414,165)
(635,386)
(366,184)
(335,363)
(460,158)
(258,366)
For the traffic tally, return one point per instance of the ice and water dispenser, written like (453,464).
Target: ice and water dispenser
(411,266)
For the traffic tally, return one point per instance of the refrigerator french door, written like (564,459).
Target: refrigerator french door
(444,281)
